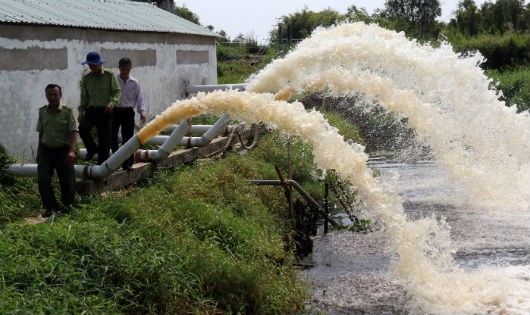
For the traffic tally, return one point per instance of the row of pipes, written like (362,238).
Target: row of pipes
(131,147)
(167,143)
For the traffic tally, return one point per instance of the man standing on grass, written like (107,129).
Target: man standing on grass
(100,92)
(56,151)
(123,116)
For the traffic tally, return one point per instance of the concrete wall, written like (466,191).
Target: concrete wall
(33,56)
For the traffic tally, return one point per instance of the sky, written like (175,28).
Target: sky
(256,18)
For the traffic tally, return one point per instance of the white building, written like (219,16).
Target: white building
(43,41)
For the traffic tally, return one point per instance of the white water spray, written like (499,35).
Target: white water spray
(403,76)
(482,142)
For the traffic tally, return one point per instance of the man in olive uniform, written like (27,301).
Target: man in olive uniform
(56,151)
(100,92)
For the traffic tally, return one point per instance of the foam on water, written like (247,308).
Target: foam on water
(446,99)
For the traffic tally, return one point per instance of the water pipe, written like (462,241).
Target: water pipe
(190,89)
(159,140)
(112,163)
(86,171)
(277,182)
(167,147)
(129,148)
(25,170)
(201,141)
(203,128)
(209,135)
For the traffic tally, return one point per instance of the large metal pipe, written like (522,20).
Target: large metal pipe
(201,141)
(167,147)
(211,133)
(203,128)
(128,149)
(160,140)
(213,87)
(27,170)
(277,182)
(86,171)
(113,162)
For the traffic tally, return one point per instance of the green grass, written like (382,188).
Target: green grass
(19,197)
(201,240)
(515,86)
(345,128)
(236,63)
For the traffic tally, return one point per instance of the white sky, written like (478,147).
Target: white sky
(258,18)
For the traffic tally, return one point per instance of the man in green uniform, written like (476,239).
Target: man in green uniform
(57,137)
(100,92)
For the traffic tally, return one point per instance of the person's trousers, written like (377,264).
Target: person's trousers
(51,159)
(96,116)
(124,118)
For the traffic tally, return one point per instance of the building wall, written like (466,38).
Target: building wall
(33,56)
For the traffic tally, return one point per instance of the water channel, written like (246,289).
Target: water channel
(352,273)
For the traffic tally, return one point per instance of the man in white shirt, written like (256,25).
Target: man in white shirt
(123,115)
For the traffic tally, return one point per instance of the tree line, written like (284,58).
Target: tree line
(500,30)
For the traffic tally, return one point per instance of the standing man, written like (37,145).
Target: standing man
(56,151)
(123,115)
(100,92)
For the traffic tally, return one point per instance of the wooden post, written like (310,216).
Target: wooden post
(290,176)
(287,189)
(326,207)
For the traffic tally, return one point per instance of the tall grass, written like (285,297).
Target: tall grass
(18,196)
(202,240)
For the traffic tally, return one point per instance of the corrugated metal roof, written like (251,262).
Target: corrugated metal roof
(101,14)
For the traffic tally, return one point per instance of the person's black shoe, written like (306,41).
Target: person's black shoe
(47,213)
(127,168)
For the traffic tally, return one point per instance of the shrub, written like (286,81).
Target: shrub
(501,52)
(515,86)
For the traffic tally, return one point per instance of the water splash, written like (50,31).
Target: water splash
(483,143)
(429,86)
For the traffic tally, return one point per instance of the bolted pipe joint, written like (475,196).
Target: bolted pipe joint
(168,145)
(209,135)
(112,163)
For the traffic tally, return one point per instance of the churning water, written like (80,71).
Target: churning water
(481,145)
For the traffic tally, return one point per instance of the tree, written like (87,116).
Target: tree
(417,15)
(225,37)
(185,13)
(299,25)
(355,14)
(467,18)
(503,16)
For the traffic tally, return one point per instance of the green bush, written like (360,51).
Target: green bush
(501,52)
(19,197)
(5,161)
(515,86)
